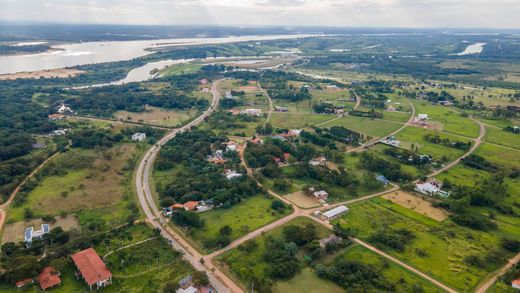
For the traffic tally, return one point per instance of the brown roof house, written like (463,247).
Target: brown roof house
(49,278)
(92,269)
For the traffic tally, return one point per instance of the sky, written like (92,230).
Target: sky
(358,13)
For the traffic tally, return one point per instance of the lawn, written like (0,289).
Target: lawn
(453,121)
(438,248)
(371,127)
(414,135)
(94,183)
(396,116)
(243,218)
(502,137)
(307,281)
(297,120)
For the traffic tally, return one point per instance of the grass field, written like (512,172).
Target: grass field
(307,281)
(371,127)
(180,69)
(414,135)
(99,188)
(157,116)
(453,122)
(297,120)
(438,248)
(243,218)
(502,137)
(498,155)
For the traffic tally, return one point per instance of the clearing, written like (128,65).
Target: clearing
(416,204)
(157,116)
(14,232)
(300,199)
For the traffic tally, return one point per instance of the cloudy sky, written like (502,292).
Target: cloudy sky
(373,13)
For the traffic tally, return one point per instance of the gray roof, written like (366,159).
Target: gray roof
(335,211)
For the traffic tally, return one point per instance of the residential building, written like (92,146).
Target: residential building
(59,132)
(391,108)
(31,234)
(333,239)
(320,195)
(422,117)
(382,179)
(49,278)
(391,141)
(231,146)
(281,109)
(190,289)
(92,269)
(64,109)
(335,213)
(138,136)
(191,205)
(252,112)
(516,284)
(318,161)
(431,188)
(231,174)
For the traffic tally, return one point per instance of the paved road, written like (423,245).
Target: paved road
(512,262)
(219,280)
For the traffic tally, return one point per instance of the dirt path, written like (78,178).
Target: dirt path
(271,106)
(328,121)
(374,141)
(476,144)
(512,262)
(127,246)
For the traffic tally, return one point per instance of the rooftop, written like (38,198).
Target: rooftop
(91,266)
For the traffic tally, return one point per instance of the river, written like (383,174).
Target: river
(69,55)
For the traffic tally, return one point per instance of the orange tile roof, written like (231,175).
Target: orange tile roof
(49,278)
(91,267)
(516,282)
(191,205)
(177,206)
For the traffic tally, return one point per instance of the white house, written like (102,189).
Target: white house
(335,212)
(321,195)
(430,188)
(231,147)
(230,174)
(422,117)
(64,109)
(318,161)
(190,289)
(138,136)
(31,234)
(391,141)
(252,111)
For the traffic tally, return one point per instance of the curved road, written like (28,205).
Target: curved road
(219,280)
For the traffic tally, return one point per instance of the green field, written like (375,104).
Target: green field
(94,184)
(243,218)
(453,122)
(502,137)
(396,116)
(371,127)
(498,155)
(297,120)
(414,135)
(179,69)
(438,248)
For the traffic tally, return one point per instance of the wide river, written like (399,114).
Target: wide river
(75,54)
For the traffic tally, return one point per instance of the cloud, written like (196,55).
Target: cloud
(375,13)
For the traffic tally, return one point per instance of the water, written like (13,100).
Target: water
(472,49)
(69,55)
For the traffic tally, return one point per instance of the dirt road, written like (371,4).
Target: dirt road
(512,262)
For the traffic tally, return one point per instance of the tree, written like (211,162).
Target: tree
(225,230)
(200,278)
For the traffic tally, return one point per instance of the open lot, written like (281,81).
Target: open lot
(297,120)
(243,218)
(498,155)
(502,137)
(371,127)
(302,200)
(437,248)
(157,116)
(14,232)
(51,73)
(417,204)
(92,180)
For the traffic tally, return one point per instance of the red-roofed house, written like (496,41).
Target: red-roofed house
(191,205)
(177,206)
(516,283)
(49,278)
(92,269)
(23,283)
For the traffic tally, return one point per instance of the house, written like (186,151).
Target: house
(235,112)
(190,289)
(291,133)
(335,212)
(382,179)
(30,234)
(320,195)
(333,239)
(431,188)
(138,136)
(257,140)
(56,116)
(231,147)
(516,283)
(49,278)
(191,205)
(177,206)
(422,117)
(230,174)
(391,108)
(318,161)
(205,90)
(92,269)
(252,112)
(59,132)
(445,103)
(24,283)
(391,141)
(228,95)
(64,109)
(281,109)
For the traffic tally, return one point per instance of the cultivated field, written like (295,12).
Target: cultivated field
(417,204)
(302,200)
